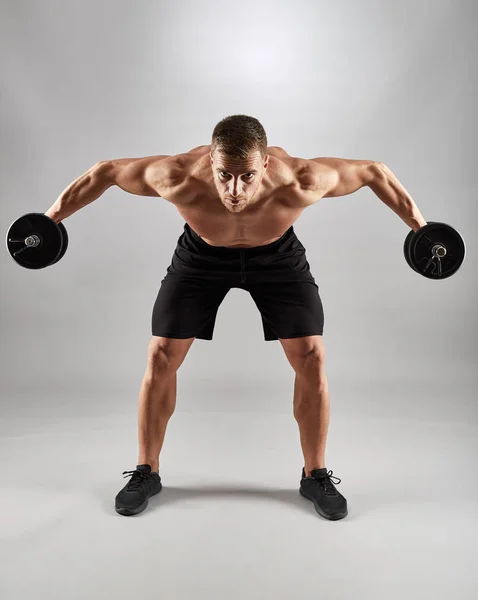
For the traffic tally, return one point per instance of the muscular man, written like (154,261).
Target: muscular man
(239,198)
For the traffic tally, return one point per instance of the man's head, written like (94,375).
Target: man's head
(238,160)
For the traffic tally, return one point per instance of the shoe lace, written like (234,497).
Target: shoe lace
(327,484)
(136,480)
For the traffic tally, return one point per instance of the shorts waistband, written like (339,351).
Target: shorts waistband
(225,249)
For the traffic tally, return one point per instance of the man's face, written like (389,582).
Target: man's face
(237,180)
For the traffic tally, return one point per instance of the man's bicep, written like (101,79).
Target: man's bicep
(341,176)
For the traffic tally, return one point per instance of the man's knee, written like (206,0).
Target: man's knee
(312,366)
(306,355)
(165,355)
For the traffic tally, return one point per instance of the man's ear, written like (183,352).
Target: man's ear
(210,156)
(266,162)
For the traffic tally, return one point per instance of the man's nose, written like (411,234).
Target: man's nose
(235,190)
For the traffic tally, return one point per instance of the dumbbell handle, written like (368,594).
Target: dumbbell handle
(32,241)
(439,251)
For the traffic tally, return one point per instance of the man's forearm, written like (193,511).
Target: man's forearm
(82,191)
(387,187)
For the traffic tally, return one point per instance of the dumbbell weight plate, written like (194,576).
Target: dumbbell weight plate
(425,239)
(50,238)
(65,242)
(406,248)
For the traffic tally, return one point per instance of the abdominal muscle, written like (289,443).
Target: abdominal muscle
(241,241)
(233,245)
(261,227)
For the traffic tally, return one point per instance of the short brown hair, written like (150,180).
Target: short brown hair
(238,136)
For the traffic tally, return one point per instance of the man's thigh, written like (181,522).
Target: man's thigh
(289,310)
(187,307)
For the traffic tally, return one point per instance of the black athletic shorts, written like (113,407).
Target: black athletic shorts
(276,275)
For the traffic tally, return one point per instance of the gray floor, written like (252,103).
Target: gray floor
(230,522)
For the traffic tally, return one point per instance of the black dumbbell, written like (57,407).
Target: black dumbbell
(436,250)
(35,241)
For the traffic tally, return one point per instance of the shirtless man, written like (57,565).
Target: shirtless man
(239,198)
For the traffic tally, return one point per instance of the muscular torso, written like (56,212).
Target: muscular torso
(277,204)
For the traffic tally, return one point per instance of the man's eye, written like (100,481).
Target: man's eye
(225,174)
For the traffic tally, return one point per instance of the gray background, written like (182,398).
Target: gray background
(89,81)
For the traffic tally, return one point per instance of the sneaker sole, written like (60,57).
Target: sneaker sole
(134,511)
(334,517)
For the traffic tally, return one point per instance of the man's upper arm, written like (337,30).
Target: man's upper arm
(147,176)
(330,177)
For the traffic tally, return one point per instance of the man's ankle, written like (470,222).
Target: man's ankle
(154,466)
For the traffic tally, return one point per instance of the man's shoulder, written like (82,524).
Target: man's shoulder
(290,169)
(179,167)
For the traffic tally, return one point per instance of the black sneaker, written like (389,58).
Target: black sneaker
(328,502)
(133,498)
